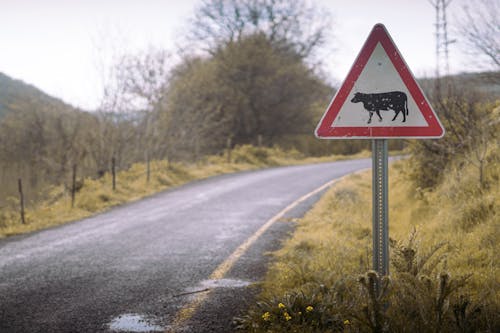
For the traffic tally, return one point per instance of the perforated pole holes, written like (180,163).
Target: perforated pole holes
(380,207)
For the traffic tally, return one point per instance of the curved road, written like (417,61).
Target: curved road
(136,267)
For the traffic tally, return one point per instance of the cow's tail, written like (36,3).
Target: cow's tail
(406,107)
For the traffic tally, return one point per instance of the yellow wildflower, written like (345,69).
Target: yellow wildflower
(266,316)
(281,306)
(347,322)
(309,308)
(287,316)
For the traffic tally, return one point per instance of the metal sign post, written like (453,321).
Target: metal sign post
(380,206)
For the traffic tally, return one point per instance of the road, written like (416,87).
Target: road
(136,267)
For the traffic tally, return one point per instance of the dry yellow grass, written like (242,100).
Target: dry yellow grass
(334,239)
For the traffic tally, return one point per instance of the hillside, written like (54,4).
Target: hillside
(16,95)
(484,82)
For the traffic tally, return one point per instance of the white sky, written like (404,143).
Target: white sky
(57,45)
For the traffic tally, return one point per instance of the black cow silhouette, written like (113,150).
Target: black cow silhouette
(393,100)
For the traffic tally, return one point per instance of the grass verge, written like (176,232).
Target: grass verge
(97,195)
(445,267)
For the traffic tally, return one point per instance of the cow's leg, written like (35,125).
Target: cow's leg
(379,116)
(396,112)
(371,114)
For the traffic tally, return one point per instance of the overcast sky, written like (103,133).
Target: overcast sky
(59,45)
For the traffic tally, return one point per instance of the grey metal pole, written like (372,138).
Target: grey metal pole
(380,186)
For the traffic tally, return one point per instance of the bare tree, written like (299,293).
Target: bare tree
(145,77)
(133,84)
(479,29)
(292,23)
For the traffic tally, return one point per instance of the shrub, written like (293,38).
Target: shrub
(471,131)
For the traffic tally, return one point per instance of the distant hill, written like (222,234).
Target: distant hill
(488,82)
(485,82)
(15,95)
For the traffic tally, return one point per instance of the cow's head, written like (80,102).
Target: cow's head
(357,98)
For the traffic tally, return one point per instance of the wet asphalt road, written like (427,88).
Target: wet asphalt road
(142,257)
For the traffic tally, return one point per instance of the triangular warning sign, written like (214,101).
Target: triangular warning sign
(379,98)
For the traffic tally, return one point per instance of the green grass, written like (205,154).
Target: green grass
(97,195)
(445,267)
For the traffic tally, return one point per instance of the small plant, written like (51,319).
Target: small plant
(320,309)
(104,197)
(407,257)
(422,302)
(375,290)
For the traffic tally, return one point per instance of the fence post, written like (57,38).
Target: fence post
(21,199)
(196,150)
(259,140)
(113,172)
(73,187)
(148,167)
(228,147)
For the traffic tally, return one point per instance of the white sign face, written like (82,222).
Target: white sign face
(380,98)
(378,77)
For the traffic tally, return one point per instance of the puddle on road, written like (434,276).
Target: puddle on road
(132,322)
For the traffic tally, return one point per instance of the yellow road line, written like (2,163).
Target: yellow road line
(190,308)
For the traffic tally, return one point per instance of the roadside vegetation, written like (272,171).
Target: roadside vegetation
(444,220)
(96,194)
